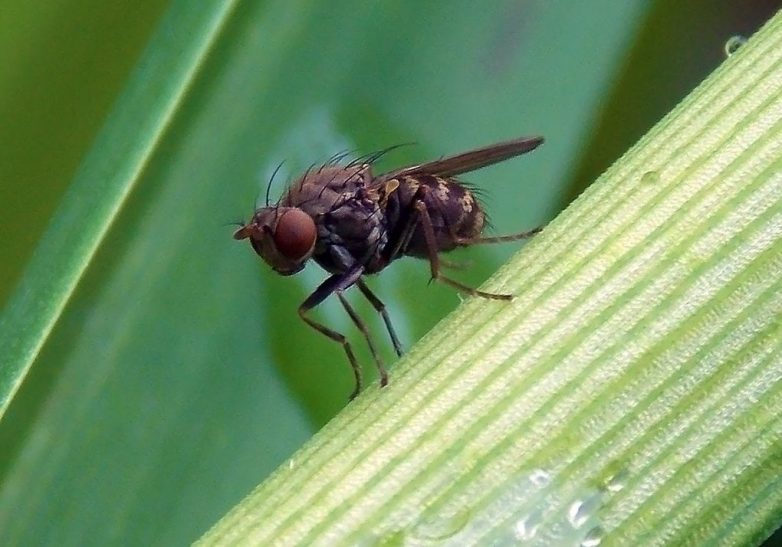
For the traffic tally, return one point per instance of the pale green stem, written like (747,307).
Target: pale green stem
(631,393)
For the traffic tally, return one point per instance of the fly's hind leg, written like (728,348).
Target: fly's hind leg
(434,260)
(498,239)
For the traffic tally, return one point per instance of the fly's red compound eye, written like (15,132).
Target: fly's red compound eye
(295,234)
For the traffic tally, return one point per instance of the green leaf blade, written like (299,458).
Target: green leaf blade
(644,343)
(102,185)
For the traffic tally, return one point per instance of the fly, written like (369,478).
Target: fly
(353,224)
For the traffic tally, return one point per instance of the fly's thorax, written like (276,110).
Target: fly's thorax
(354,231)
(320,190)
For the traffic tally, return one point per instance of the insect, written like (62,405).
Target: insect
(353,224)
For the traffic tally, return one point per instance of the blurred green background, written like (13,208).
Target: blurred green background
(179,375)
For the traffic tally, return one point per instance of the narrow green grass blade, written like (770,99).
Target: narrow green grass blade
(103,184)
(59,83)
(630,395)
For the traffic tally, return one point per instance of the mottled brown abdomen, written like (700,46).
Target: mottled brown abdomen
(454,211)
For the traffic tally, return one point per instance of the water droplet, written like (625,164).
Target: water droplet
(650,177)
(509,516)
(441,527)
(527,527)
(733,44)
(617,481)
(581,510)
(593,537)
(540,478)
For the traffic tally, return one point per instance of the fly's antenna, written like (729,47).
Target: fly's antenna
(239,225)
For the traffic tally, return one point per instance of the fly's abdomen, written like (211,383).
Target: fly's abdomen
(455,213)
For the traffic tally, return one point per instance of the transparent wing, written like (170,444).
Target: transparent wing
(467,161)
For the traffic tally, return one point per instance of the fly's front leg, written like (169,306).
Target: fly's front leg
(336,283)
(434,260)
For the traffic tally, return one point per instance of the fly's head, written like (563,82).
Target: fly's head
(284,237)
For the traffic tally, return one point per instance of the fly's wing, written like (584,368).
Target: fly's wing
(467,161)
